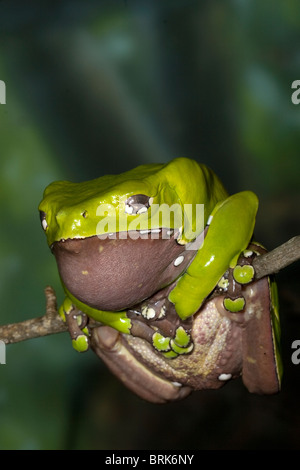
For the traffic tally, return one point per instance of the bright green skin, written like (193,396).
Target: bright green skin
(182,181)
(71,212)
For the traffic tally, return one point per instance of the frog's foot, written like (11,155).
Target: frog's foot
(181,343)
(77,323)
(234,281)
(177,342)
(112,348)
(156,321)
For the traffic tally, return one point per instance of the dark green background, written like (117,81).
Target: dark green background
(100,87)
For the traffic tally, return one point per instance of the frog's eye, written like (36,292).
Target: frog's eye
(43,220)
(138,204)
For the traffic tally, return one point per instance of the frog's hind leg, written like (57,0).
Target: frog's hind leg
(110,346)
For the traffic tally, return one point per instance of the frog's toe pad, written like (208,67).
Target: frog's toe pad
(172,347)
(234,305)
(81,343)
(243,274)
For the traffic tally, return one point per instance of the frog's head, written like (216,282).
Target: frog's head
(119,238)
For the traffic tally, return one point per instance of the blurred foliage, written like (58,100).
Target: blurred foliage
(99,87)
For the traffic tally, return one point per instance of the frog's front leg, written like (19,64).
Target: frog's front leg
(164,330)
(77,323)
(164,337)
(107,343)
(156,321)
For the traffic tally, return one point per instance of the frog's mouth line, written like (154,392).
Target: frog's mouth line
(116,271)
(145,234)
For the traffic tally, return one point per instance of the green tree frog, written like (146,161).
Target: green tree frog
(162,256)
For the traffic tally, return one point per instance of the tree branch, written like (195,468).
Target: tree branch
(277,259)
(48,324)
(51,323)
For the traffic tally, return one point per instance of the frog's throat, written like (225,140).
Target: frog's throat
(116,273)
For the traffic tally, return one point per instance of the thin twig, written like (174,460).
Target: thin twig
(51,323)
(277,259)
(48,324)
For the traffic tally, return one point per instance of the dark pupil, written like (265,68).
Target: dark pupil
(138,201)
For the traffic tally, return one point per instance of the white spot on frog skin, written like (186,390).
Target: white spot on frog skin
(178,260)
(177,384)
(178,236)
(223,283)
(148,312)
(209,220)
(247,253)
(143,232)
(251,293)
(224,377)
(162,312)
